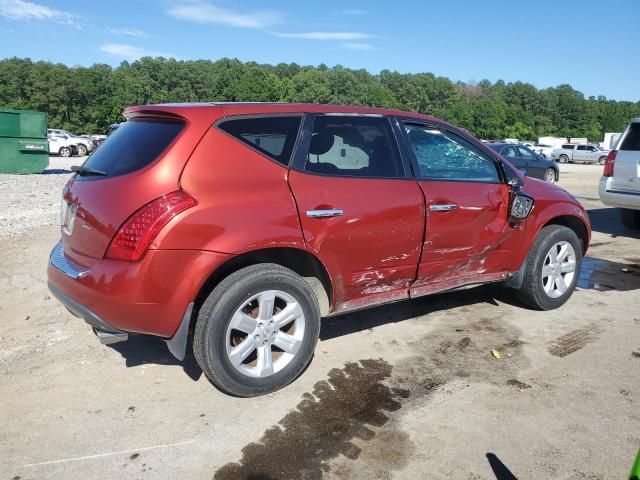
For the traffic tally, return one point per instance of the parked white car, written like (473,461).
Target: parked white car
(61,146)
(620,182)
(543,149)
(84,144)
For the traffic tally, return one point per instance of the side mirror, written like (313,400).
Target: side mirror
(521,207)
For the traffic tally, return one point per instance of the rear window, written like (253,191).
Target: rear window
(567,146)
(273,136)
(134,145)
(632,138)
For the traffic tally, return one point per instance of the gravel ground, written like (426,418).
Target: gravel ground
(33,201)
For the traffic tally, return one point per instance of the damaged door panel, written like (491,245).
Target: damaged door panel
(360,212)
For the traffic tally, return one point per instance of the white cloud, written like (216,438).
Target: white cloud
(23,10)
(129,52)
(357,46)
(344,36)
(353,11)
(131,32)
(202,12)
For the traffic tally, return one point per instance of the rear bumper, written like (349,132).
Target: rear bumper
(149,296)
(616,198)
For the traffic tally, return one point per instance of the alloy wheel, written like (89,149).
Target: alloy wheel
(265,333)
(558,269)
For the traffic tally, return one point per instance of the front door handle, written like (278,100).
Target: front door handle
(336,212)
(443,207)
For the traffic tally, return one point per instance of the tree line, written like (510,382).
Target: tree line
(89,99)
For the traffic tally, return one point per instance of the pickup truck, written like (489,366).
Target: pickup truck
(571,153)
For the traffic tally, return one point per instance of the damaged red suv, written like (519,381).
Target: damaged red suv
(246,223)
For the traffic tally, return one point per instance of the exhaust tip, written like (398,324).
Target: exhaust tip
(107,338)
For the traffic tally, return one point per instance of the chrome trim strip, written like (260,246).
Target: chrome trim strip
(325,213)
(66,266)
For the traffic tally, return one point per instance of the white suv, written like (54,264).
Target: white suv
(84,145)
(620,182)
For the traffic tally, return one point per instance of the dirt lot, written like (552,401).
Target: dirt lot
(403,391)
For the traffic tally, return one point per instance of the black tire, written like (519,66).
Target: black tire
(65,152)
(210,337)
(532,292)
(630,218)
(82,150)
(602,160)
(563,159)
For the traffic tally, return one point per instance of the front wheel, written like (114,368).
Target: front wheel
(550,175)
(602,160)
(257,330)
(82,150)
(553,268)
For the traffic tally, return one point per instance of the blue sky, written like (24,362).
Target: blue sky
(589,45)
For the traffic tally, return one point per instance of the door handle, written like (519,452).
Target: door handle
(336,212)
(443,207)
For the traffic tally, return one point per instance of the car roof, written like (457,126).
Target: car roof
(249,108)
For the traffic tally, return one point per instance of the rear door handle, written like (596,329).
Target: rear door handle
(336,212)
(443,207)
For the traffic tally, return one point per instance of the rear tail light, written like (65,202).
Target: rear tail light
(609,164)
(135,235)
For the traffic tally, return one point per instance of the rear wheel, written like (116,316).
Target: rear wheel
(257,330)
(630,218)
(602,159)
(553,268)
(550,175)
(65,152)
(563,159)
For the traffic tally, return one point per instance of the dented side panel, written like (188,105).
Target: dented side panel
(471,243)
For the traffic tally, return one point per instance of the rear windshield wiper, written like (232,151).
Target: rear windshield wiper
(80,170)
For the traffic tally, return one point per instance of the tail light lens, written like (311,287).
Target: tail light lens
(135,235)
(609,163)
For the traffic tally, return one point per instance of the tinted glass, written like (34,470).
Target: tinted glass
(134,145)
(582,147)
(442,155)
(568,147)
(271,136)
(632,139)
(354,147)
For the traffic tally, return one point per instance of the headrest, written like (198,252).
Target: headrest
(321,143)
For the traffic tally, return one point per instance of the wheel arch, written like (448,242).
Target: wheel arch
(300,261)
(574,223)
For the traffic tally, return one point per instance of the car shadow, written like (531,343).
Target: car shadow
(607,220)
(56,171)
(147,349)
(602,275)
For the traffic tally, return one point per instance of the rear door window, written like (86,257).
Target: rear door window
(353,146)
(632,138)
(136,144)
(273,136)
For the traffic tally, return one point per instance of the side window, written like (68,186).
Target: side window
(353,146)
(273,136)
(582,147)
(526,153)
(509,152)
(443,155)
(567,147)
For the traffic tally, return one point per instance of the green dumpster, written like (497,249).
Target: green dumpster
(23,142)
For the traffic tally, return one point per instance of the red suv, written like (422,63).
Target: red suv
(246,223)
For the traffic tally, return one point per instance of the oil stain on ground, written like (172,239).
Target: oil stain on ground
(349,425)
(322,425)
(574,340)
